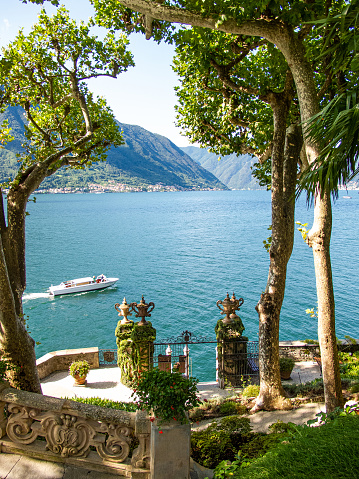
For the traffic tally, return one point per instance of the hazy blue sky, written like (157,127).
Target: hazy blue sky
(142,96)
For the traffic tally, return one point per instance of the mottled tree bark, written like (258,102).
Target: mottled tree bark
(320,233)
(284,169)
(319,240)
(17,346)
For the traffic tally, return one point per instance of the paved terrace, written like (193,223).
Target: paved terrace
(105,383)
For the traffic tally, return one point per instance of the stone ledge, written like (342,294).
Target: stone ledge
(301,351)
(61,360)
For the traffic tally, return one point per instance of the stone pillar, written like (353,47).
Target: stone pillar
(170,450)
(125,352)
(134,349)
(232,352)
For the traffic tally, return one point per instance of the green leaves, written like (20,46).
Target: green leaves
(167,395)
(223,80)
(45,73)
(336,126)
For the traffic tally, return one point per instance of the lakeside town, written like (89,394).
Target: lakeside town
(114,187)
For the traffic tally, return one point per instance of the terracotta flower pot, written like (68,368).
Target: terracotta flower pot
(80,380)
(285,374)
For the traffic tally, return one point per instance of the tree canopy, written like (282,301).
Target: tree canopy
(287,25)
(45,73)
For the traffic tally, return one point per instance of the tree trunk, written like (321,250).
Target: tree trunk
(319,240)
(286,149)
(320,233)
(17,347)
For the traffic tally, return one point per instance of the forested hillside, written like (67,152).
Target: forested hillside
(232,170)
(145,159)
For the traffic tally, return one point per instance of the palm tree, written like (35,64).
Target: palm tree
(336,126)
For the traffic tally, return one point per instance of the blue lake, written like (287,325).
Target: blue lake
(183,251)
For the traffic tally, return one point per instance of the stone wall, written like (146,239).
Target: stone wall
(61,360)
(301,351)
(99,439)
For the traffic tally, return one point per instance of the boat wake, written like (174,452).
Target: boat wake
(27,297)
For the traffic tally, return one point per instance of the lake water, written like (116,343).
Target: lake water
(183,251)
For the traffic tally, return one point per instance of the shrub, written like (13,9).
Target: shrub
(286,364)
(330,451)
(312,388)
(354,388)
(220,441)
(166,395)
(196,414)
(250,391)
(228,408)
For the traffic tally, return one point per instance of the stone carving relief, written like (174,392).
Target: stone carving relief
(70,435)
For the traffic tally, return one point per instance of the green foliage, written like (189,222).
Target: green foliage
(232,119)
(350,339)
(349,364)
(80,368)
(336,126)
(267,243)
(302,229)
(354,388)
(286,364)
(134,347)
(45,74)
(228,408)
(169,396)
(252,390)
(330,451)
(262,171)
(281,427)
(143,333)
(108,403)
(313,388)
(220,441)
(216,408)
(232,330)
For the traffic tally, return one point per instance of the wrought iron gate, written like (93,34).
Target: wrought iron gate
(174,353)
(236,361)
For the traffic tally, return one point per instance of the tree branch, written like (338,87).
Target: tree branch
(256,28)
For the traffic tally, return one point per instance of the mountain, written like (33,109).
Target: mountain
(145,159)
(232,170)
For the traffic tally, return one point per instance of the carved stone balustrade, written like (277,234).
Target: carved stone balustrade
(62,430)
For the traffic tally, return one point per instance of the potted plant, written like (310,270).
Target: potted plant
(79,370)
(168,396)
(286,366)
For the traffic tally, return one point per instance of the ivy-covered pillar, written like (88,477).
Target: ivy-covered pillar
(134,341)
(231,345)
(126,352)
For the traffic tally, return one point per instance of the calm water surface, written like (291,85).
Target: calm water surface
(183,251)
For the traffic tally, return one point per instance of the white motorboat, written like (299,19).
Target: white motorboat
(81,285)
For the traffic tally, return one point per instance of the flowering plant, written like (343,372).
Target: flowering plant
(79,367)
(166,395)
